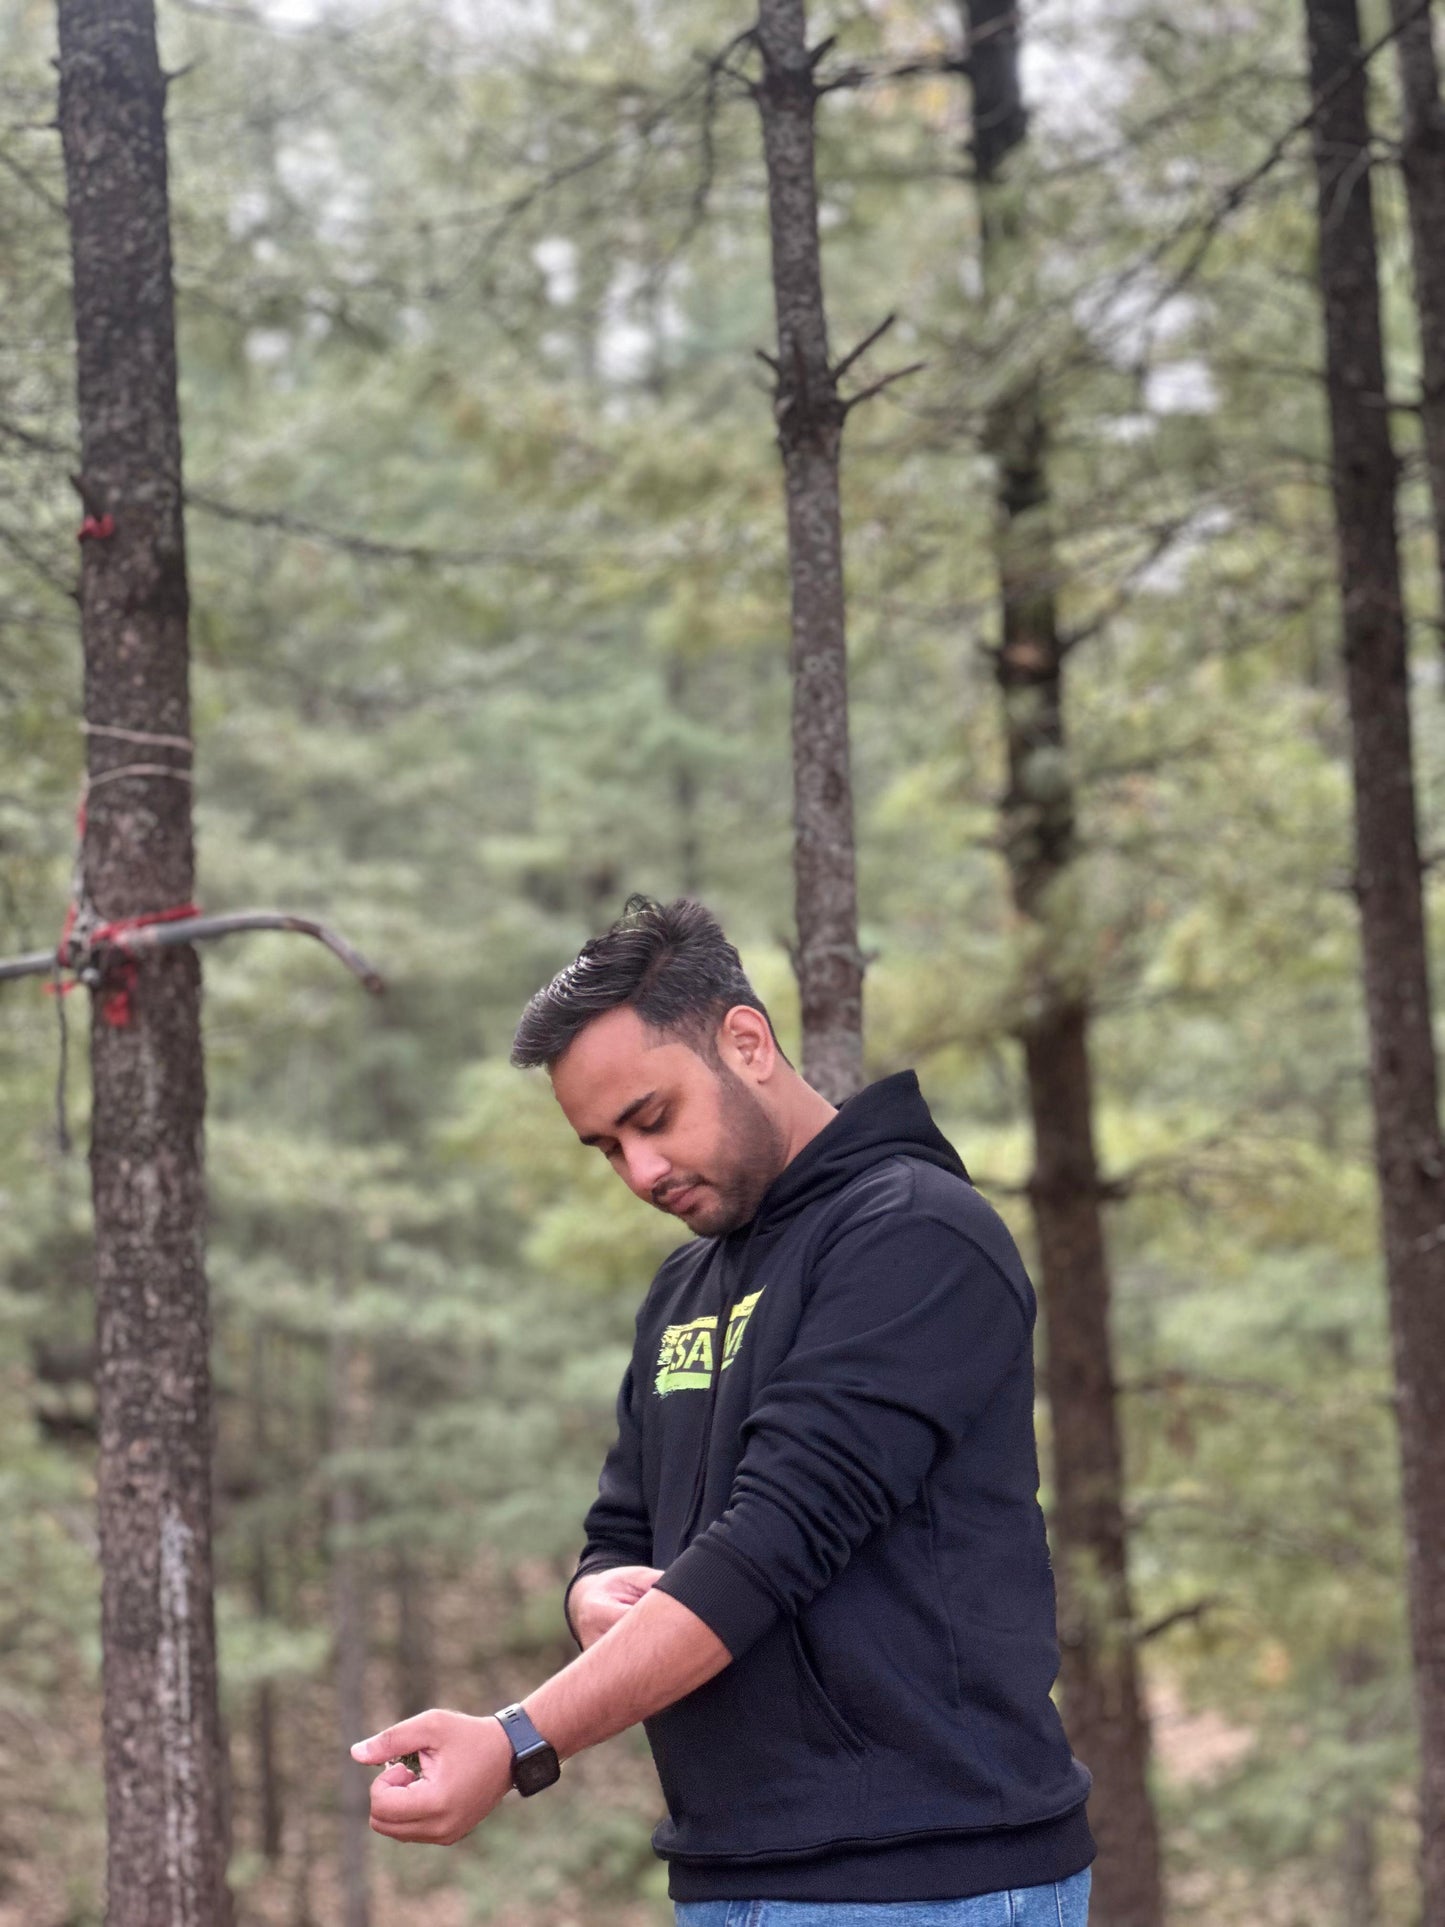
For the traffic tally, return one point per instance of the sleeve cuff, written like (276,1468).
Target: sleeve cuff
(591,1562)
(722,1592)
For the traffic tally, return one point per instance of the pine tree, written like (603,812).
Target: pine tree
(166,1844)
(1409,1154)
(1422,163)
(1102,1693)
(810,413)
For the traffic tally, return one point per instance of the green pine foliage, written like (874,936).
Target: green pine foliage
(489,629)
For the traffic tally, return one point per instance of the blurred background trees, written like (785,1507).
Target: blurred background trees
(490,627)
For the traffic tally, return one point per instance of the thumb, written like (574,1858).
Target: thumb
(407,1736)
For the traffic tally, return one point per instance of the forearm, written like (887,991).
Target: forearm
(658,1652)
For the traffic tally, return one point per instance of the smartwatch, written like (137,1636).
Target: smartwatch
(534,1760)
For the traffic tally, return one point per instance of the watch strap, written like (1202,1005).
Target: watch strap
(520,1731)
(534,1760)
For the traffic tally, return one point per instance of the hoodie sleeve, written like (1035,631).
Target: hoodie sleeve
(910,1331)
(618,1530)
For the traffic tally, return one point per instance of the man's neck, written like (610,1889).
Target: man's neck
(804,1114)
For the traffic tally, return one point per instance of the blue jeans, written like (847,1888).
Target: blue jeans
(1059,1903)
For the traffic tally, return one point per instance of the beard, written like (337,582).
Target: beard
(749,1156)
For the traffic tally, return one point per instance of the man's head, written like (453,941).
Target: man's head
(662,1056)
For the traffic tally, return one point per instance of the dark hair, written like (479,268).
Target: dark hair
(670,963)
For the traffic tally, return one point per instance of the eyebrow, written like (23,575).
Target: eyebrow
(621,1118)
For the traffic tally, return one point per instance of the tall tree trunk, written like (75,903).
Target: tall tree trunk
(1409,1156)
(678,681)
(810,412)
(269,1790)
(415,1673)
(1359,1904)
(302,1912)
(166,1849)
(1102,1698)
(349,1625)
(403,1386)
(1423,165)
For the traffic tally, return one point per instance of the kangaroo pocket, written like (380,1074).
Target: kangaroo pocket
(758,1761)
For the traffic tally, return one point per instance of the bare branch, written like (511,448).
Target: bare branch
(1180,1616)
(1239,190)
(875,73)
(375,548)
(841,368)
(90,963)
(1164,538)
(877,387)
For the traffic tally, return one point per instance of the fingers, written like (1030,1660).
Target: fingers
(624,1586)
(409,1810)
(403,1803)
(418,1836)
(647,1578)
(635,1580)
(408,1736)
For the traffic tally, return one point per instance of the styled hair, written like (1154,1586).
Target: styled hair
(670,963)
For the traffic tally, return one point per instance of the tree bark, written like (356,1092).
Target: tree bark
(1409,1156)
(1103,1700)
(1099,1674)
(1358,1905)
(1422,160)
(349,1624)
(810,413)
(1359,1859)
(677,681)
(415,1672)
(269,1790)
(166,1848)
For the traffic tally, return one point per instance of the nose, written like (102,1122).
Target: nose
(646,1167)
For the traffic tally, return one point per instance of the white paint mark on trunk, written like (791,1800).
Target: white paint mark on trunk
(179,1762)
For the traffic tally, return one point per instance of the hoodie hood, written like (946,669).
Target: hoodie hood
(885,1120)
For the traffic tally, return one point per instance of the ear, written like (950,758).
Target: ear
(745,1040)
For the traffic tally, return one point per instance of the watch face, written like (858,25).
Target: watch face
(533,1770)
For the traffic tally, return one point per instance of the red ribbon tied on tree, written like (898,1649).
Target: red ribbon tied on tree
(119,983)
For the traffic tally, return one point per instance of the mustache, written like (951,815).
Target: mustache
(673,1189)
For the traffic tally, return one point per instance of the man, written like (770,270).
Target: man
(816,1567)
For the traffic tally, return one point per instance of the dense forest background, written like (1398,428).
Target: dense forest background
(489,629)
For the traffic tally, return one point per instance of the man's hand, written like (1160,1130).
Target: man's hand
(599,1599)
(466,1768)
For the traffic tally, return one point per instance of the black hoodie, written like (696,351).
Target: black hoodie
(848,1499)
